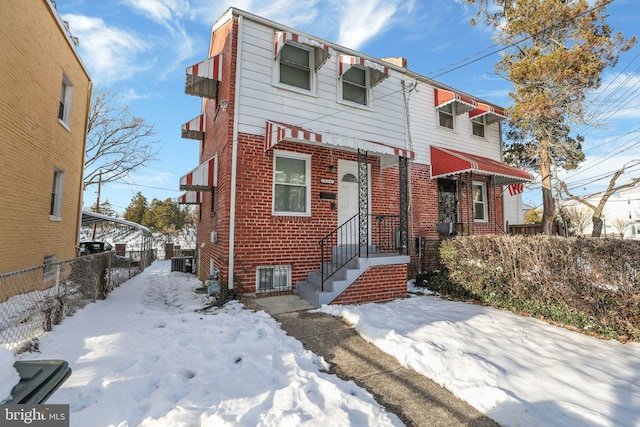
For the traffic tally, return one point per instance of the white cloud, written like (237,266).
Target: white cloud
(361,21)
(111,54)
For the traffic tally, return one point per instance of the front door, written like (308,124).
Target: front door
(348,201)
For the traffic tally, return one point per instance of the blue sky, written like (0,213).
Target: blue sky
(140,49)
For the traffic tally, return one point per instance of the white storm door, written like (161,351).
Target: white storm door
(348,201)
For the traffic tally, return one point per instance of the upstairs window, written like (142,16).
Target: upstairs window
(55,210)
(295,69)
(478,127)
(354,85)
(66,96)
(445,116)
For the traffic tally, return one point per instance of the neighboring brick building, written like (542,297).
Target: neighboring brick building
(312,154)
(44,100)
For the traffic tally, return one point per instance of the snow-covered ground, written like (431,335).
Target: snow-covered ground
(144,356)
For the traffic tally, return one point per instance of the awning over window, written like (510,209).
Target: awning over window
(191,198)
(195,128)
(202,178)
(446,162)
(490,113)
(321,50)
(377,72)
(277,132)
(462,103)
(203,78)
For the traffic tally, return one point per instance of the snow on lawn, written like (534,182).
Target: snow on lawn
(144,357)
(517,370)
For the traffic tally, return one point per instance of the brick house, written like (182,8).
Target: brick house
(321,166)
(46,93)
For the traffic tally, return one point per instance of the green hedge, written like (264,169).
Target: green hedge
(589,284)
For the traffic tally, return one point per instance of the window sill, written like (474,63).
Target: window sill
(55,218)
(64,125)
(295,89)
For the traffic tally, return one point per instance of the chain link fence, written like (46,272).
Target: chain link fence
(35,299)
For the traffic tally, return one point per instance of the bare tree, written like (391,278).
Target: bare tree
(577,217)
(597,209)
(620,226)
(117,141)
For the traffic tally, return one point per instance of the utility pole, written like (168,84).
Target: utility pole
(93,236)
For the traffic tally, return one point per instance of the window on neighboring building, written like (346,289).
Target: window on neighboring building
(57,188)
(354,85)
(480,211)
(49,271)
(445,116)
(477,125)
(66,95)
(291,186)
(295,69)
(273,278)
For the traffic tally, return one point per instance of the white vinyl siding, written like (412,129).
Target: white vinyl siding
(264,98)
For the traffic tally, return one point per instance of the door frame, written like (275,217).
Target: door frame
(349,166)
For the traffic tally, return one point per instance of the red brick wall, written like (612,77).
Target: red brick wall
(377,284)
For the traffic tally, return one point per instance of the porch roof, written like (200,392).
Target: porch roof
(446,97)
(194,128)
(445,161)
(202,178)
(202,78)
(277,132)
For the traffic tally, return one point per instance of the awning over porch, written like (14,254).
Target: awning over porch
(191,198)
(377,72)
(447,97)
(445,162)
(321,50)
(491,114)
(202,178)
(195,128)
(203,78)
(277,132)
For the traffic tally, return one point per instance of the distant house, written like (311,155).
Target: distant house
(322,168)
(621,213)
(43,123)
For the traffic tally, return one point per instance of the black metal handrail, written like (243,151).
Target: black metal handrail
(335,253)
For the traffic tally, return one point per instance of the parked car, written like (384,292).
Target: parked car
(87,248)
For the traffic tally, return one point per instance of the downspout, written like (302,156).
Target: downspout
(234,155)
(84,158)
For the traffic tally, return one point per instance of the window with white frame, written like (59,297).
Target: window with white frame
(291,183)
(478,126)
(66,95)
(445,116)
(49,271)
(479,193)
(273,278)
(295,66)
(55,210)
(354,85)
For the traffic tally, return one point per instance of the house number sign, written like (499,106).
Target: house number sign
(327,181)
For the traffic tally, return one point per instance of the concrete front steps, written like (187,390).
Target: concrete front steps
(311,289)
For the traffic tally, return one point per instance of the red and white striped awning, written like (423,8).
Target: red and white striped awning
(191,198)
(203,77)
(491,114)
(277,132)
(321,50)
(445,162)
(462,103)
(194,128)
(377,72)
(202,178)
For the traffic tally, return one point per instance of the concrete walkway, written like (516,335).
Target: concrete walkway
(414,398)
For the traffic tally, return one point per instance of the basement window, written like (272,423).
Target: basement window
(273,278)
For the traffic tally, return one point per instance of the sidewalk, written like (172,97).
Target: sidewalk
(414,398)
